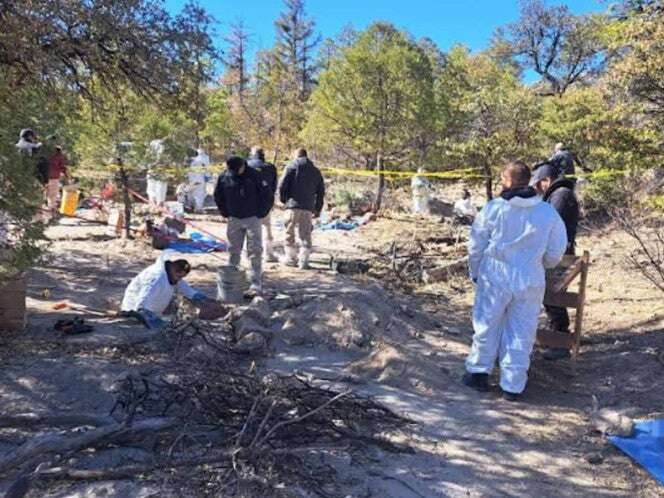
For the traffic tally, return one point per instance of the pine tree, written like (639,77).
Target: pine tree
(295,46)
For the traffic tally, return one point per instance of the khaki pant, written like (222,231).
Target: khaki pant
(300,220)
(267,225)
(52,193)
(250,228)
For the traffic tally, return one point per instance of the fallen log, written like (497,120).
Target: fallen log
(60,443)
(443,273)
(31,420)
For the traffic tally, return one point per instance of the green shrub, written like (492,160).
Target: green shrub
(20,205)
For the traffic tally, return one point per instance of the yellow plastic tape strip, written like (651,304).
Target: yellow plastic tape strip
(458,174)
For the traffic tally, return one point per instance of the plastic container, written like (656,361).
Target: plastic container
(231,284)
(70,194)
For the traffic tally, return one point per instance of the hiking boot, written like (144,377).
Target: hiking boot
(555,354)
(477,381)
(512,397)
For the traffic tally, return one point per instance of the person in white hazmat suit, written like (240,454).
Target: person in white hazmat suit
(421,188)
(513,239)
(464,206)
(198,179)
(151,291)
(157,185)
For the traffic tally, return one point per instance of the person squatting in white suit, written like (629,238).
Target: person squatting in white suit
(198,179)
(512,241)
(150,292)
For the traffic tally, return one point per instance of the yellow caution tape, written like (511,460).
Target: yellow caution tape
(458,174)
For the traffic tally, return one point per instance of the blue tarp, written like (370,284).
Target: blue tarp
(197,244)
(646,446)
(340,225)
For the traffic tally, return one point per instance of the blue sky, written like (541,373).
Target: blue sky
(447,22)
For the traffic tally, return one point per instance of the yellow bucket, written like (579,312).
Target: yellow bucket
(69,201)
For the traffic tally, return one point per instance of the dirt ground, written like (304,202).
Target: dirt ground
(405,348)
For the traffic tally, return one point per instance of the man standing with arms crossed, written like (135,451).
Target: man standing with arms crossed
(269,175)
(302,190)
(513,239)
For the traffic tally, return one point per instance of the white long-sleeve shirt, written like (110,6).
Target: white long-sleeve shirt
(152,291)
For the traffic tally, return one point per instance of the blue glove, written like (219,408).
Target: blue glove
(199,298)
(152,321)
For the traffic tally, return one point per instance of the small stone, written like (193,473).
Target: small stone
(251,343)
(595,458)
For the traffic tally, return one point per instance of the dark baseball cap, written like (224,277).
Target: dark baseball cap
(544,171)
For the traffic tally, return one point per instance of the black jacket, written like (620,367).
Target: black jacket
(561,196)
(302,186)
(242,196)
(267,171)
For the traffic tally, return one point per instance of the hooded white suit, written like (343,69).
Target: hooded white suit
(511,244)
(150,290)
(157,187)
(421,188)
(197,178)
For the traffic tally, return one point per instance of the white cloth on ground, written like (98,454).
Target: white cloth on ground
(151,289)
(511,244)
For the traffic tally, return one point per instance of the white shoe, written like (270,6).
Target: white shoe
(304,259)
(268,251)
(290,257)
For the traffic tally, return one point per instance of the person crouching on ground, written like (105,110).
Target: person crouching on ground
(268,173)
(302,190)
(150,292)
(513,239)
(559,192)
(242,197)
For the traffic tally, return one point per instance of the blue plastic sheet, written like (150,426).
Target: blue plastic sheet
(646,446)
(198,244)
(340,225)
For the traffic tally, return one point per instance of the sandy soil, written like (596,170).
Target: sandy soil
(405,348)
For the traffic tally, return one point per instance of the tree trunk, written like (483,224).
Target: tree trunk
(124,180)
(381,184)
(488,181)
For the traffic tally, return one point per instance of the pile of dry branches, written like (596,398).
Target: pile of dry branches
(206,409)
(404,263)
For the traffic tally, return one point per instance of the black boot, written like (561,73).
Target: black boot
(478,381)
(508,396)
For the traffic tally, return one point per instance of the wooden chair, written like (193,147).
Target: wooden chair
(557,282)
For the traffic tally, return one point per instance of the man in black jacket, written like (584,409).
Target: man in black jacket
(242,198)
(302,190)
(269,175)
(559,192)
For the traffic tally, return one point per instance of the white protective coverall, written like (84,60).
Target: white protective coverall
(511,244)
(197,179)
(421,188)
(464,207)
(151,290)
(157,187)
